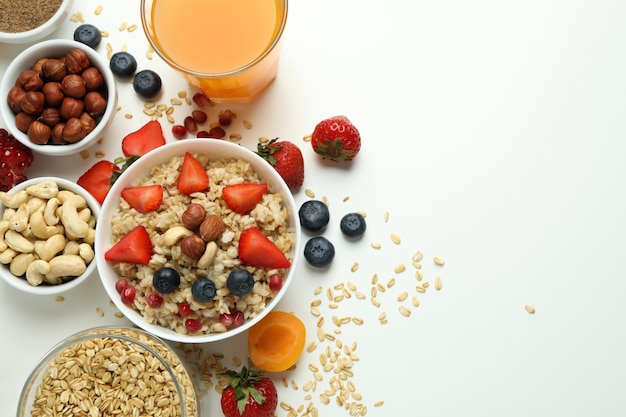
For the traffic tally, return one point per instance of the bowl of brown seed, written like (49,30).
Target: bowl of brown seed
(112,371)
(25,21)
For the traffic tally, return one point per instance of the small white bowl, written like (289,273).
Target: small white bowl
(21,283)
(215,150)
(55,48)
(41,31)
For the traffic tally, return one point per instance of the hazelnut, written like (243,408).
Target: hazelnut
(57,134)
(53,93)
(74,130)
(37,66)
(50,116)
(39,133)
(89,123)
(95,104)
(193,216)
(192,246)
(23,121)
(76,60)
(93,78)
(70,107)
(211,228)
(14,98)
(53,69)
(33,102)
(73,85)
(29,80)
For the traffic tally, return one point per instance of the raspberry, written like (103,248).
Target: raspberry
(15,159)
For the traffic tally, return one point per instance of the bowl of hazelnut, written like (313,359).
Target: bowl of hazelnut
(58,97)
(30,21)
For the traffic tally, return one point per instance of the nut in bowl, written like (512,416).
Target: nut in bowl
(47,235)
(58,97)
(209,247)
(34,22)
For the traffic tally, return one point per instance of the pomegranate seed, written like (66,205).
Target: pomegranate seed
(226,118)
(154,300)
(184,309)
(238,318)
(199,116)
(217,133)
(226,319)
(200,99)
(276,282)
(190,124)
(128,295)
(203,134)
(121,284)
(193,325)
(179,131)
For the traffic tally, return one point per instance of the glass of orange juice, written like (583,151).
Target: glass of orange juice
(227,48)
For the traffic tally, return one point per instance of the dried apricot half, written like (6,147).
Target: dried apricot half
(276,342)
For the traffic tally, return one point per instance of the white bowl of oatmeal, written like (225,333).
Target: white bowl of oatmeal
(185,288)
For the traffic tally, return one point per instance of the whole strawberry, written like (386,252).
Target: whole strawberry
(337,139)
(286,158)
(249,394)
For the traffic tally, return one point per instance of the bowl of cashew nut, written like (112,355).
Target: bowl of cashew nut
(47,232)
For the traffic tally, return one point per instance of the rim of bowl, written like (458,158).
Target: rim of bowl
(21,283)
(31,55)
(217,149)
(39,32)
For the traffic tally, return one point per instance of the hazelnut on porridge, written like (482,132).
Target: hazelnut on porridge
(199,278)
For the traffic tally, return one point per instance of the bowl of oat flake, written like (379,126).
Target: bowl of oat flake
(25,21)
(197,283)
(106,371)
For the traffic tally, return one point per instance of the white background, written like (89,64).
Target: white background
(493,136)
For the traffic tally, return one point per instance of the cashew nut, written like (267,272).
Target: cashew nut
(49,213)
(71,248)
(18,242)
(86,252)
(36,272)
(19,222)
(4,226)
(44,189)
(208,256)
(39,227)
(75,228)
(13,200)
(7,255)
(91,236)
(84,214)
(8,213)
(174,234)
(65,195)
(65,266)
(53,245)
(35,203)
(20,263)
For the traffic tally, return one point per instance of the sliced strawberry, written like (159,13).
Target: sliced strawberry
(134,247)
(193,177)
(148,137)
(242,198)
(255,249)
(98,179)
(145,198)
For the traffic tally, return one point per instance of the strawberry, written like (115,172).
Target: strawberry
(193,177)
(286,158)
(97,180)
(337,139)
(255,249)
(134,247)
(148,137)
(145,198)
(249,394)
(242,198)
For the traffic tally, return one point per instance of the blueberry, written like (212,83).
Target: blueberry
(88,34)
(319,251)
(123,64)
(165,280)
(314,215)
(352,225)
(240,282)
(203,290)
(147,83)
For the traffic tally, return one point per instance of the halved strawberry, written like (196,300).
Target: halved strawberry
(144,198)
(255,249)
(193,176)
(148,137)
(97,180)
(242,198)
(134,247)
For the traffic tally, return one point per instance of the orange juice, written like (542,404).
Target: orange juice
(227,48)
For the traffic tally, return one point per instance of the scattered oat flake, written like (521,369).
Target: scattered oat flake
(123,26)
(307,138)
(59,299)
(530,309)
(247,124)
(77,17)
(438,261)
(309,193)
(98,10)
(132,28)
(355,267)
(395,239)
(100,312)
(400,268)
(376,245)
(84,154)
(438,283)
(386,217)
(104,33)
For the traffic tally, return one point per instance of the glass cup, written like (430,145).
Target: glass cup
(227,48)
